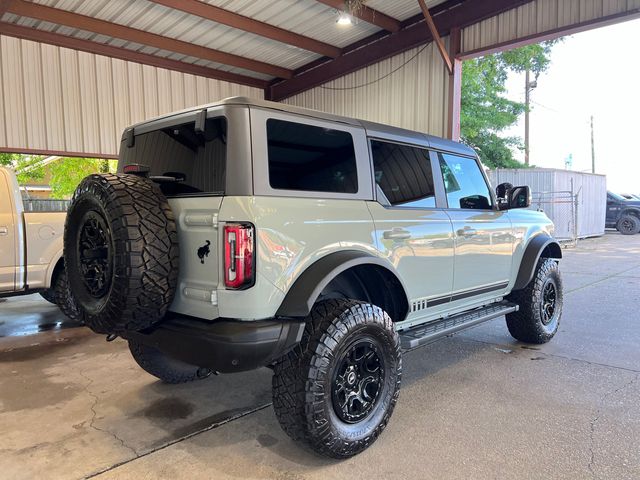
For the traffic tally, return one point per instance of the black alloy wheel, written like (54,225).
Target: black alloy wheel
(548,304)
(95,252)
(358,380)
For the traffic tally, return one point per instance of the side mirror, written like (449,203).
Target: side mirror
(519,197)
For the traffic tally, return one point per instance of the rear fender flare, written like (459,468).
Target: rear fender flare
(532,254)
(309,285)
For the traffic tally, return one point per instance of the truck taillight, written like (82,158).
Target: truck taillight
(239,260)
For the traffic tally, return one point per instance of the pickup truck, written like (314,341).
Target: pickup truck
(31,249)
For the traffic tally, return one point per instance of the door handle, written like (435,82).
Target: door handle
(396,234)
(467,232)
(4,231)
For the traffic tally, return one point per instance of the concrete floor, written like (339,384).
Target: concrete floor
(476,405)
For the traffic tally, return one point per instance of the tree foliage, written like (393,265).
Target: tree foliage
(486,112)
(64,174)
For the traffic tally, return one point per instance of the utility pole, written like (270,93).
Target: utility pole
(529,85)
(593,149)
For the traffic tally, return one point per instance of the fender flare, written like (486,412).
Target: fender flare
(532,254)
(307,287)
(51,269)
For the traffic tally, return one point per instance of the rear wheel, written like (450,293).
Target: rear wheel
(628,225)
(167,369)
(63,298)
(337,390)
(540,302)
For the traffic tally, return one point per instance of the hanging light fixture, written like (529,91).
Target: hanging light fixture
(344,19)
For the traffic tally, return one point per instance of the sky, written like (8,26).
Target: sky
(592,73)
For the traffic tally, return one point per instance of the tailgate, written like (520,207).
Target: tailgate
(198,236)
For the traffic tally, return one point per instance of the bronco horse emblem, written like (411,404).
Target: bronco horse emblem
(204,251)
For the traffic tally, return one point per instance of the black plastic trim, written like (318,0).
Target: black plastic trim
(531,256)
(466,294)
(307,288)
(223,345)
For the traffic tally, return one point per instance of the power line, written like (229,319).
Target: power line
(382,77)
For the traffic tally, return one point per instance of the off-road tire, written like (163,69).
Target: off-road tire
(628,225)
(529,324)
(132,224)
(303,379)
(62,296)
(167,369)
(49,295)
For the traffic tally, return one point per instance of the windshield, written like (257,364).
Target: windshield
(183,161)
(615,196)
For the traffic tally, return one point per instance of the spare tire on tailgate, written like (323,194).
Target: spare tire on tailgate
(121,252)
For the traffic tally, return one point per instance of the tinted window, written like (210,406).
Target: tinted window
(305,157)
(404,174)
(464,183)
(196,160)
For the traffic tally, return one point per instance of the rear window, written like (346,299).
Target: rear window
(187,162)
(310,158)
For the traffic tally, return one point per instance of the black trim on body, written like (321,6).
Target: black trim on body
(222,345)
(532,254)
(310,284)
(465,294)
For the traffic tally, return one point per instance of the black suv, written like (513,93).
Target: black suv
(623,214)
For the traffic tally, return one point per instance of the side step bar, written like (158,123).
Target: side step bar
(422,334)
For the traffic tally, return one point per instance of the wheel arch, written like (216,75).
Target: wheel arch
(57,263)
(369,271)
(635,212)
(540,246)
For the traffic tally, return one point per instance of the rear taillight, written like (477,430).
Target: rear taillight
(239,260)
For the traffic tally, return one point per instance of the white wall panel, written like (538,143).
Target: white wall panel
(61,100)
(414,97)
(538,17)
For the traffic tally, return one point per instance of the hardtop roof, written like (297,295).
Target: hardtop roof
(372,128)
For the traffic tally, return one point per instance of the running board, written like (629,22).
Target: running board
(422,334)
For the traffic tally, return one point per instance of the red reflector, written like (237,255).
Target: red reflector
(238,256)
(136,168)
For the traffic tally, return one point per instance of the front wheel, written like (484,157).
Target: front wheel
(337,389)
(540,302)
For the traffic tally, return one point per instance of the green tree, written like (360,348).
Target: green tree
(486,112)
(68,172)
(27,166)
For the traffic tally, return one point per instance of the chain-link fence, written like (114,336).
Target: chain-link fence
(562,208)
(45,205)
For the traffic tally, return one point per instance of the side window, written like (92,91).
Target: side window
(310,158)
(404,174)
(464,183)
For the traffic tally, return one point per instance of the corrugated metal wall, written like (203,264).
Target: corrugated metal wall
(553,191)
(57,99)
(538,17)
(413,97)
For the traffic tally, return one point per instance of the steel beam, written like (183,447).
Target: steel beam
(235,20)
(460,13)
(90,24)
(66,41)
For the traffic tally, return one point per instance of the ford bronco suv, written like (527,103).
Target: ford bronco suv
(247,233)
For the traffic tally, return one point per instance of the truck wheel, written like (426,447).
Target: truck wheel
(121,253)
(62,296)
(628,225)
(167,369)
(337,389)
(49,295)
(540,303)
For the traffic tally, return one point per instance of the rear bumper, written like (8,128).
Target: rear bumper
(223,345)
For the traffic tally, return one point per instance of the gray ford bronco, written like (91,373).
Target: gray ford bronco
(245,234)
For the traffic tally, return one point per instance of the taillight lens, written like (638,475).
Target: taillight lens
(239,260)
